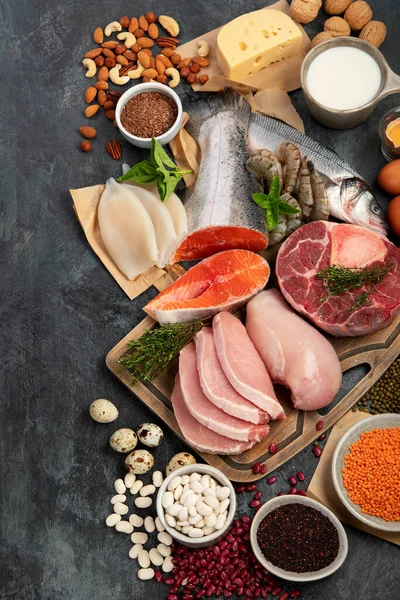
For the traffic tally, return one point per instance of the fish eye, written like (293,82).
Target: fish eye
(376,209)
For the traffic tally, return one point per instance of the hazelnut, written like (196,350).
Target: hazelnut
(203,79)
(358,14)
(139,33)
(151,17)
(191,78)
(124,21)
(120,49)
(86,146)
(99,61)
(110,62)
(337,26)
(185,72)
(195,68)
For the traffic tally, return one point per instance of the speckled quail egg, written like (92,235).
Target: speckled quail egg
(139,462)
(183,459)
(103,411)
(150,434)
(123,440)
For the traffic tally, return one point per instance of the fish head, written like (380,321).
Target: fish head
(361,207)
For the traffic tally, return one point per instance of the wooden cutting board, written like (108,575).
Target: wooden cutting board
(298,430)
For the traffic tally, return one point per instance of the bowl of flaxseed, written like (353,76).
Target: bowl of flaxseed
(149,110)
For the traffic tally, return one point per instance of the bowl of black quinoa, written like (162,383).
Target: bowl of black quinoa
(149,110)
(298,539)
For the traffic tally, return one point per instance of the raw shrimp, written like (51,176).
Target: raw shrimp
(293,221)
(304,190)
(290,157)
(320,211)
(279,232)
(265,164)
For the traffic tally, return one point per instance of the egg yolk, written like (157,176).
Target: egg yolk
(393,132)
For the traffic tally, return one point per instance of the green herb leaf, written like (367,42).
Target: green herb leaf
(275,189)
(273,204)
(287,209)
(142,172)
(159,156)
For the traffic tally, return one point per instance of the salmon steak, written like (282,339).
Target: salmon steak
(223,282)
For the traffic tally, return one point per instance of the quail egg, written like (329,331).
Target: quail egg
(123,440)
(183,459)
(139,462)
(150,434)
(103,411)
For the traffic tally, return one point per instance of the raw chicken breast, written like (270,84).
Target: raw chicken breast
(243,365)
(161,219)
(205,411)
(215,383)
(179,219)
(294,352)
(199,437)
(127,230)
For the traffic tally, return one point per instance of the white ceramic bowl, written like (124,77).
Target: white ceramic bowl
(290,575)
(149,87)
(207,540)
(353,435)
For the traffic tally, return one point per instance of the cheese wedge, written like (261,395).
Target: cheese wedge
(256,40)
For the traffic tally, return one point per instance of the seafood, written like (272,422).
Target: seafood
(266,165)
(293,221)
(304,191)
(290,157)
(220,213)
(320,211)
(279,232)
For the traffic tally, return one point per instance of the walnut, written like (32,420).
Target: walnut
(373,32)
(321,37)
(358,14)
(336,7)
(304,11)
(337,26)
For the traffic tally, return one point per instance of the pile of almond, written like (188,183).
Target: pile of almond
(133,55)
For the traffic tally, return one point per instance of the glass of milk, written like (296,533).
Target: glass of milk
(343,79)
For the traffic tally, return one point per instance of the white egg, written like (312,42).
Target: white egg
(139,462)
(103,411)
(180,460)
(123,440)
(150,434)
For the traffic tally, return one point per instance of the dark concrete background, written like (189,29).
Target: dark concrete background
(61,312)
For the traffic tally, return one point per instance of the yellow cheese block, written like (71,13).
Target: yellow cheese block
(256,40)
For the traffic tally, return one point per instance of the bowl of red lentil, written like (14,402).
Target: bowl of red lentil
(298,539)
(365,471)
(149,110)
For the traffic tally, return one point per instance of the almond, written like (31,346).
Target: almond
(152,62)
(130,55)
(152,73)
(90,94)
(136,48)
(161,79)
(373,32)
(358,15)
(91,110)
(184,63)
(114,149)
(201,61)
(88,132)
(153,31)
(124,22)
(108,53)
(99,61)
(191,78)
(165,60)
(110,114)
(93,53)
(101,97)
(143,23)
(176,59)
(145,42)
(195,68)
(147,51)
(121,60)
(110,44)
(102,75)
(101,85)
(133,25)
(144,59)
(98,35)
(185,72)
(168,52)
(203,79)
(160,67)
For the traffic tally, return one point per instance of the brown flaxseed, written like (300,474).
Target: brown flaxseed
(149,114)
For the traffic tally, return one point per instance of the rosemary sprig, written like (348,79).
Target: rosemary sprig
(338,280)
(151,354)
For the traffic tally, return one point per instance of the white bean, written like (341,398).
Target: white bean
(139,537)
(208,530)
(167,499)
(124,527)
(146,574)
(204,509)
(196,533)
(129,479)
(190,499)
(158,478)
(159,525)
(220,521)
(167,565)
(205,481)
(186,488)
(196,487)
(192,510)
(119,486)
(209,492)
(224,505)
(223,493)
(144,559)
(195,477)
(112,520)
(185,479)
(136,487)
(182,523)
(178,492)
(120,509)
(149,524)
(164,550)
(201,524)
(194,520)
(185,530)
(118,498)
(211,520)
(213,484)
(175,481)
(211,501)
(174,509)
(156,557)
(143,502)
(135,520)
(134,551)
(147,490)
(164,538)
(171,521)
(183,514)
(178,527)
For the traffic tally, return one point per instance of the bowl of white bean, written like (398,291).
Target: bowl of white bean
(196,504)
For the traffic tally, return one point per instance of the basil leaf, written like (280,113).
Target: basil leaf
(261,199)
(159,156)
(287,209)
(162,189)
(272,215)
(142,172)
(275,189)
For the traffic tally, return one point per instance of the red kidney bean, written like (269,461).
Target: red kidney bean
(276,591)
(317,451)
(292,480)
(218,591)
(319,425)
(284,596)
(201,593)
(254,503)
(210,590)
(256,468)
(223,544)
(323,437)
(158,576)
(172,597)
(228,594)
(301,493)
(263,469)
(240,489)
(258,495)
(272,449)
(173,589)
(295,594)
(251,487)
(239,591)
(292,491)
(281,493)
(301,476)
(188,597)
(169,581)
(246,519)
(224,576)
(217,550)
(271,480)
(264,593)
(248,593)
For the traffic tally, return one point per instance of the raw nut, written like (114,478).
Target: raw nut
(114,96)
(101,97)
(152,73)
(191,78)
(90,66)
(336,7)
(167,42)
(88,132)
(128,39)
(373,32)
(358,15)
(144,59)
(110,63)
(153,31)
(101,85)
(160,67)
(121,60)
(111,44)
(146,79)
(121,49)
(109,105)
(304,11)
(201,61)
(133,25)
(169,25)
(152,62)
(102,74)
(130,55)
(112,28)
(114,149)
(166,61)
(185,72)
(124,21)
(108,53)
(91,110)
(98,35)
(321,37)
(125,70)
(139,33)
(143,23)
(86,146)
(136,48)
(145,42)
(99,61)
(195,68)
(90,94)
(184,63)
(147,51)
(161,79)
(151,17)
(203,48)
(337,26)
(93,53)
(110,114)
(176,59)
(168,52)
(203,79)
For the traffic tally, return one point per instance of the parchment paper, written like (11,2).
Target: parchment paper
(321,487)
(284,75)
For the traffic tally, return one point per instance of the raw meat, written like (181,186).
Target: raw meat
(320,244)
(198,436)
(179,219)
(127,230)
(205,411)
(215,383)
(225,281)
(243,365)
(294,352)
